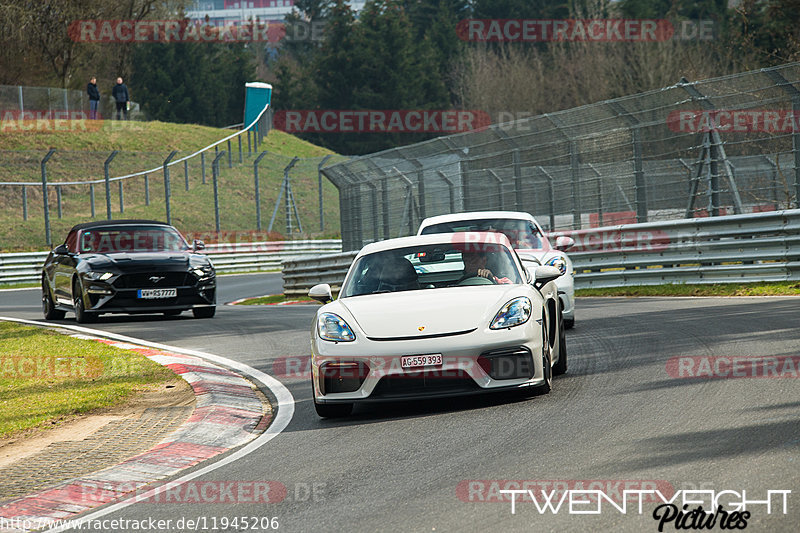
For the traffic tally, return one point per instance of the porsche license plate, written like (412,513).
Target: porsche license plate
(417,361)
(153,294)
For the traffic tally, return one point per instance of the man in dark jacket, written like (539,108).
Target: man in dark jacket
(94,97)
(121,97)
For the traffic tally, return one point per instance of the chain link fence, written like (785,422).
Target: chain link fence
(31,103)
(721,146)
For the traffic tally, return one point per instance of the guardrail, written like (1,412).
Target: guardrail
(227,258)
(737,248)
(299,275)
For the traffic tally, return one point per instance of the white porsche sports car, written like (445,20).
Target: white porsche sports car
(526,237)
(435,315)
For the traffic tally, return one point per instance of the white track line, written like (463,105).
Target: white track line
(279,423)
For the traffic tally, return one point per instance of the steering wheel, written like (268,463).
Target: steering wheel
(476,280)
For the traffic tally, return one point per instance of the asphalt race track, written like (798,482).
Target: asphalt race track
(621,414)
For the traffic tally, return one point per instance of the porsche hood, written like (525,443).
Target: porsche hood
(427,312)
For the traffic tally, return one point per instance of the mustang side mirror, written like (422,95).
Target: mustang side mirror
(198,245)
(544,275)
(61,249)
(321,293)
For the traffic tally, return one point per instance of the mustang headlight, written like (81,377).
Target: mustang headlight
(203,271)
(102,276)
(514,313)
(559,262)
(333,328)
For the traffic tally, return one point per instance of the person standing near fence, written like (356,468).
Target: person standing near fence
(121,97)
(94,97)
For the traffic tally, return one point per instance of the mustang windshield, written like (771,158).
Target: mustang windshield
(521,233)
(432,267)
(131,239)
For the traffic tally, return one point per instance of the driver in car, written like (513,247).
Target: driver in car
(475,265)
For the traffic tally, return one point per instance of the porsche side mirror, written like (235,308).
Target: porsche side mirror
(321,293)
(564,243)
(544,275)
(198,245)
(61,249)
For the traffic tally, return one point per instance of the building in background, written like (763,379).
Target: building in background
(221,12)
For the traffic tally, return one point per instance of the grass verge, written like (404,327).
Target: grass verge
(46,377)
(782,288)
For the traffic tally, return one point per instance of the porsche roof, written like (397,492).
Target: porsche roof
(477,237)
(476,215)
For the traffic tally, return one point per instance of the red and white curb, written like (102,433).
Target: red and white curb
(228,414)
(285,302)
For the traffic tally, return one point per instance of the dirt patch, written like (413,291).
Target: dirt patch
(78,427)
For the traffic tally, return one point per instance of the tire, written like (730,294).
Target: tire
(81,315)
(172,312)
(204,312)
(547,360)
(333,410)
(48,306)
(569,323)
(561,366)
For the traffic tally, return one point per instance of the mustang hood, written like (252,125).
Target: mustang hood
(139,260)
(437,311)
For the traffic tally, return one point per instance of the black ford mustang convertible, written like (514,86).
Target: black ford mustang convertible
(127,266)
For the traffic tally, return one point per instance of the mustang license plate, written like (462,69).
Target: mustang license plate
(416,361)
(152,294)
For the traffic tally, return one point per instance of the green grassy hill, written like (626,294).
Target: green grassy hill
(80,156)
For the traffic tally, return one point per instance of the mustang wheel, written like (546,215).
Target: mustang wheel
(81,315)
(48,307)
(204,312)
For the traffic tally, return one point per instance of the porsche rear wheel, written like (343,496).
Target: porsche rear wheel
(48,306)
(561,366)
(547,360)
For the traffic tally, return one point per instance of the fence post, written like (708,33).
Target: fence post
(215,176)
(551,197)
(249,146)
(203,166)
(230,163)
(121,198)
(515,157)
(108,183)
(146,189)
(44,194)
(21,100)
(792,91)
(167,191)
(186,173)
(319,182)
(385,202)
(239,138)
(499,187)
(451,190)
(91,197)
(258,189)
(24,203)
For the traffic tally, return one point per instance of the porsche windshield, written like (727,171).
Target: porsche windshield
(431,267)
(131,239)
(521,233)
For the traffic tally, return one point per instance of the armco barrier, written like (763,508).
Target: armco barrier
(227,258)
(299,275)
(738,248)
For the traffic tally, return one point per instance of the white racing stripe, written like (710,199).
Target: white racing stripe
(285,409)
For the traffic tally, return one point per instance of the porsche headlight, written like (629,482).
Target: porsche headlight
(102,276)
(514,313)
(559,262)
(333,328)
